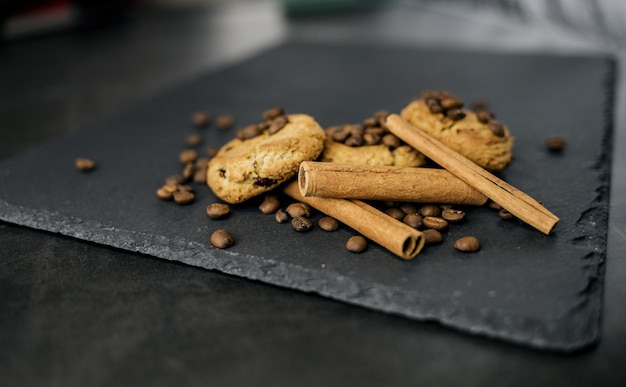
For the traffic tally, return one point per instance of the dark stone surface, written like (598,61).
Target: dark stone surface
(522,286)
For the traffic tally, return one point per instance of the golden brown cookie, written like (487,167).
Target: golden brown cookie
(474,134)
(250,165)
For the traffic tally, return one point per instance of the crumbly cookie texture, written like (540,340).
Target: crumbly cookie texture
(246,168)
(478,140)
(377,155)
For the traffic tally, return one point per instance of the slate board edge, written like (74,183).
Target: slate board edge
(288,276)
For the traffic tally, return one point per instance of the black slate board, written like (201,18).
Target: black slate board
(522,286)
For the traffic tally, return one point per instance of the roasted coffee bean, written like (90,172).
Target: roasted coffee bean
(218,210)
(328,224)
(505,215)
(395,213)
(84,164)
(281,216)
(371,138)
(376,131)
(356,244)
(183,197)
(224,121)
(269,205)
(212,151)
(455,114)
(171,188)
(496,128)
(432,236)
(187,156)
(381,114)
(483,116)
(164,194)
(174,179)
(467,244)
(371,121)
(200,176)
(222,239)
(300,224)
(188,171)
(435,223)
(338,133)
(414,220)
(408,208)
(299,209)
(453,216)
(430,210)
(201,119)
(555,143)
(184,187)
(202,162)
(494,205)
(391,140)
(354,141)
(277,124)
(272,113)
(193,139)
(248,132)
(434,107)
(451,103)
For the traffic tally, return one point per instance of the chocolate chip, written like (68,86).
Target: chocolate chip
(370,122)
(338,133)
(371,138)
(269,205)
(273,113)
(218,210)
(496,128)
(467,244)
(248,132)
(264,181)
(455,114)
(354,141)
(451,103)
(391,141)
(222,239)
(434,107)
(483,116)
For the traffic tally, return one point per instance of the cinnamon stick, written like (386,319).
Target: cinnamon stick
(350,181)
(397,237)
(513,200)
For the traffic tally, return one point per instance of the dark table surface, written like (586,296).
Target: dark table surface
(74,313)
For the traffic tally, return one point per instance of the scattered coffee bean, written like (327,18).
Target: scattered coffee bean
(201,119)
(414,220)
(432,236)
(187,156)
(555,143)
(455,114)
(281,216)
(224,121)
(395,213)
(183,197)
(496,128)
(218,210)
(453,216)
(222,239)
(272,113)
(505,215)
(356,244)
(370,121)
(467,244)
(430,210)
(494,205)
(300,224)
(451,103)
(391,140)
(194,139)
(212,151)
(202,162)
(277,124)
(435,223)
(184,187)
(408,208)
(354,141)
(299,210)
(200,176)
(171,188)
(174,179)
(84,164)
(371,138)
(188,171)
(164,194)
(328,224)
(269,205)
(248,132)
(338,133)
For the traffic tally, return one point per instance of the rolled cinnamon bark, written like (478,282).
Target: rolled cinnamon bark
(513,200)
(397,237)
(350,181)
